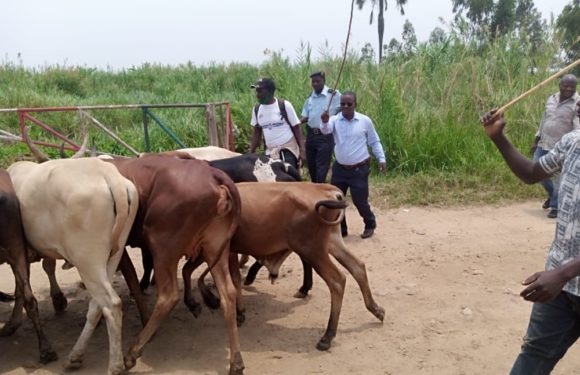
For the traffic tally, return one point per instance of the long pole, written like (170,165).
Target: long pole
(343,58)
(538,86)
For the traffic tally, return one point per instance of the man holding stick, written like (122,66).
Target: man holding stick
(554,323)
(559,118)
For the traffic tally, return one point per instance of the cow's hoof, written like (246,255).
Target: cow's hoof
(8,329)
(6,297)
(59,302)
(130,362)
(48,356)
(301,293)
(117,371)
(240,319)
(194,307)
(73,364)
(379,312)
(323,344)
(237,365)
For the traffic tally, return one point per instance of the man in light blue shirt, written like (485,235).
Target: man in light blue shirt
(353,134)
(319,146)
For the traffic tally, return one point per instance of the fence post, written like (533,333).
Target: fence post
(146,129)
(211,125)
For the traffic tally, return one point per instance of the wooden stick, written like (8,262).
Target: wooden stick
(538,86)
(343,59)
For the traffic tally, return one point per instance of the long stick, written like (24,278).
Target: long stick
(343,58)
(539,85)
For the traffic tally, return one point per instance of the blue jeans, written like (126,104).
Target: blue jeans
(550,187)
(553,328)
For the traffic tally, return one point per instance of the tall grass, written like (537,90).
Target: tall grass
(425,107)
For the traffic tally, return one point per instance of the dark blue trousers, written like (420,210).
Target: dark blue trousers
(319,149)
(357,180)
(553,328)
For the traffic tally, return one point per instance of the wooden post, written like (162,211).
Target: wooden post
(211,125)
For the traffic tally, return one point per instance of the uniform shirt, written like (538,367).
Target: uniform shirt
(559,119)
(565,157)
(316,104)
(353,137)
(276,130)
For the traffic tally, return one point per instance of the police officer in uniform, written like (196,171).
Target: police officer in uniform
(319,146)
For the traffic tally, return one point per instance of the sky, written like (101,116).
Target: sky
(117,34)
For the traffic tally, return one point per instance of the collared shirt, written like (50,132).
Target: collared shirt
(565,158)
(559,119)
(316,104)
(353,137)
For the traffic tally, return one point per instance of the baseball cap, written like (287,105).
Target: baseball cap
(319,73)
(264,83)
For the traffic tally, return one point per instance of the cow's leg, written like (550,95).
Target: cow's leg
(243,260)
(147,260)
(188,297)
(104,302)
(165,269)
(221,275)
(253,272)
(357,269)
(5,297)
(59,301)
(336,282)
(130,276)
(306,280)
(21,270)
(237,281)
(16,318)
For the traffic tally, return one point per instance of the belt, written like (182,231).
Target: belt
(365,162)
(315,131)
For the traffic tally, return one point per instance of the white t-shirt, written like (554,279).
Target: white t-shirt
(276,130)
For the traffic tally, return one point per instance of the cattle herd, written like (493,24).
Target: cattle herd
(207,205)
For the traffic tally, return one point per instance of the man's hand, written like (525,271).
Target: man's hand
(383,168)
(543,286)
(324,116)
(493,123)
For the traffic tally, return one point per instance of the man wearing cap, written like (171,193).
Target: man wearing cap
(318,145)
(277,120)
(353,134)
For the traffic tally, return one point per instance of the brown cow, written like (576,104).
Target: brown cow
(278,218)
(186,208)
(13,251)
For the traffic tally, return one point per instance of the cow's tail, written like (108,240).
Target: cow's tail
(331,205)
(229,203)
(125,203)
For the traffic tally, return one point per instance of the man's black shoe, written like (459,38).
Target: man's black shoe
(553,213)
(546,204)
(367,233)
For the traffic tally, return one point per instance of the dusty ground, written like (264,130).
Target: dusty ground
(448,279)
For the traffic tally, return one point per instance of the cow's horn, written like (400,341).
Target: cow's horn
(61,151)
(83,150)
(93,148)
(40,156)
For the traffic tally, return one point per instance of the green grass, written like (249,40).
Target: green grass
(425,108)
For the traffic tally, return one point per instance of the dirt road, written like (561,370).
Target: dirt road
(448,278)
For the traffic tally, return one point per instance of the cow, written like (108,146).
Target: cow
(241,168)
(81,210)
(278,218)
(13,251)
(187,208)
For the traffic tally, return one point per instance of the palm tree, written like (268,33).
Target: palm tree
(381,19)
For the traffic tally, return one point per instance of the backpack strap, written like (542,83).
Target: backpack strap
(256,108)
(282,106)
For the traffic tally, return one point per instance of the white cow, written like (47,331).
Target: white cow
(81,210)
(209,153)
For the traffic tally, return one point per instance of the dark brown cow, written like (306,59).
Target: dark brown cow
(186,208)
(278,218)
(13,251)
